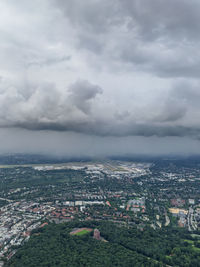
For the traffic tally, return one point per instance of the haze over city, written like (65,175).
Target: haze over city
(99,78)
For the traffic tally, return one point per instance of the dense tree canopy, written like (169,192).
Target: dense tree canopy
(54,246)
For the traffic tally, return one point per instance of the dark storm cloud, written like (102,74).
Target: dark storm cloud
(99,128)
(103,68)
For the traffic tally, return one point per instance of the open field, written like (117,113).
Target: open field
(81,231)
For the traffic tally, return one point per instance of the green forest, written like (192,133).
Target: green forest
(53,246)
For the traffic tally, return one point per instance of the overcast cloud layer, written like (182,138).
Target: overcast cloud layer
(111,70)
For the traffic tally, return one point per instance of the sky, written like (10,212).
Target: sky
(100,78)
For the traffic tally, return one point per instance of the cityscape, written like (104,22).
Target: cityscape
(158,194)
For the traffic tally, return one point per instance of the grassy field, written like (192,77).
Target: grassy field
(83,232)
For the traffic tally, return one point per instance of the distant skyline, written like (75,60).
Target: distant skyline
(100,78)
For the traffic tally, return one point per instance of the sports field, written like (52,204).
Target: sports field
(81,231)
